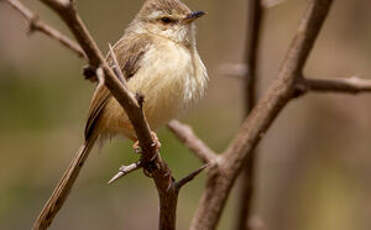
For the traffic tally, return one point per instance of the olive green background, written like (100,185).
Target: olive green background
(314,163)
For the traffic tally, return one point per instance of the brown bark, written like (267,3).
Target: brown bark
(224,168)
(253,34)
(353,85)
(222,177)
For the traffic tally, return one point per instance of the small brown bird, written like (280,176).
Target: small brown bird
(159,59)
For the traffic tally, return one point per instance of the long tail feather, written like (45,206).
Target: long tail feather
(63,188)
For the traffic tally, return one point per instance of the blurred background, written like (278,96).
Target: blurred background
(314,163)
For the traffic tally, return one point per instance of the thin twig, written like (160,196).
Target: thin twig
(186,135)
(272,3)
(352,85)
(222,178)
(37,25)
(116,67)
(232,69)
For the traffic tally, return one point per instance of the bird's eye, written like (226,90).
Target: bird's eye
(167,20)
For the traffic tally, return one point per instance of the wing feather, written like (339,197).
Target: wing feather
(129,51)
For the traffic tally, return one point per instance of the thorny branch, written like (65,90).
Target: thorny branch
(223,168)
(151,160)
(180,130)
(222,177)
(35,24)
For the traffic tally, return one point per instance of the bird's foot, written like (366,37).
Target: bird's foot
(156,144)
(156,141)
(137,148)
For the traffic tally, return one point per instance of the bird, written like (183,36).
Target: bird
(159,59)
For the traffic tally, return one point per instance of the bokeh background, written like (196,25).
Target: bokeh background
(314,163)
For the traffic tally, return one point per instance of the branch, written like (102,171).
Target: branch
(352,85)
(186,135)
(35,24)
(253,34)
(116,67)
(178,185)
(67,12)
(222,177)
(151,159)
(234,70)
(271,3)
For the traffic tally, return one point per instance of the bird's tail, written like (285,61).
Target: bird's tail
(64,186)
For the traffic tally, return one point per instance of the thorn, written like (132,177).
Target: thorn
(178,185)
(124,170)
(116,177)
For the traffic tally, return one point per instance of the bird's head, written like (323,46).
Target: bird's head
(171,19)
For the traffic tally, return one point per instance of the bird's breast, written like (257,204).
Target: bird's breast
(171,77)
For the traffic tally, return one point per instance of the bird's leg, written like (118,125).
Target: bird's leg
(151,164)
(156,144)
(137,148)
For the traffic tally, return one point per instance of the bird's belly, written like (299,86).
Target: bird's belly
(163,83)
(168,83)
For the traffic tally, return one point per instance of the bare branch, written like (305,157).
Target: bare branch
(222,177)
(159,170)
(125,170)
(178,185)
(189,139)
(234,70)
(67,11)
(253,34)
(352,85)
(272,3)
(37,25)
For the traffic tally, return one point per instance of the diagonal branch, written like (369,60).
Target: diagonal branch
(352,85)
(37,25)
(186,135)
(222,178)
(66,10)
(150,157)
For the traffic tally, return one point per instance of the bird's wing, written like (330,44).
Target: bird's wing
(129,51)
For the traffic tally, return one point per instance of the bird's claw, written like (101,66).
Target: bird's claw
(156,142)
(137,148)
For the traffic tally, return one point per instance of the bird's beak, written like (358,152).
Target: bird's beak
(193,16)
